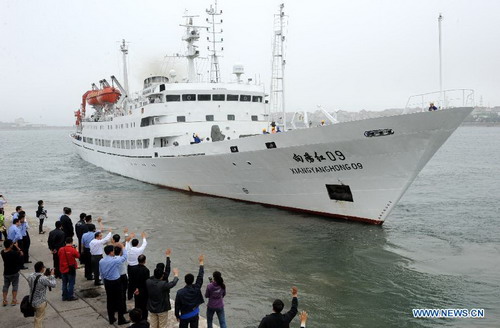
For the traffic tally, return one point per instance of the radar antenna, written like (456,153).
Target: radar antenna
(215,31)
(278,66)
(192,35)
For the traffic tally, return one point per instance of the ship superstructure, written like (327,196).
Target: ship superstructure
(217,138)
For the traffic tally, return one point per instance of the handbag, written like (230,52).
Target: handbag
(26,306)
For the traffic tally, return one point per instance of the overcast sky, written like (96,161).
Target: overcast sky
(348,55)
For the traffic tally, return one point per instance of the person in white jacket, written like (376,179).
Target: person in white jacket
(133,252)
(96,250)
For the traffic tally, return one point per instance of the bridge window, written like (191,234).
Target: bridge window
(204,97)
(230,117)
(188,97)
(255,118)
(145,143)
(245,98)
(209,117)
(181,118)
(218,97)
(173,98)
(232,97)
(257,99)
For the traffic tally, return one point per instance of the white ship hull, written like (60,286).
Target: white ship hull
(377,170)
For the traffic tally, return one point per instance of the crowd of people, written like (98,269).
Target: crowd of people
(117,262)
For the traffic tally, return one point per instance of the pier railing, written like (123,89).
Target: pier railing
(442,100)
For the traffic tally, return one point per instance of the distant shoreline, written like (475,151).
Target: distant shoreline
(36,128)
(482,124)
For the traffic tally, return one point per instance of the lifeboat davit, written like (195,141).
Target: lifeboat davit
(108,95)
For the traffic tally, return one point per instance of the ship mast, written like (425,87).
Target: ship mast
(192,35)
(441,100)
(124,50)
(213,29)
(278,66)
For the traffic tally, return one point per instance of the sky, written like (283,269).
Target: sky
(342,55)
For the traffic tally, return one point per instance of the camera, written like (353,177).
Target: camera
(210,279)
(47,272)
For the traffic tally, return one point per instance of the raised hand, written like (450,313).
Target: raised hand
(125,231)
(176,272)
(201,259)
(99,219)
(168,252)
(303,318)
(295,291)
(143,235)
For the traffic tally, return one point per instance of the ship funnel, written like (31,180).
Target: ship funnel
(238,70)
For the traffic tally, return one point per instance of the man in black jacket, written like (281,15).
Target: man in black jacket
(189,299)
(80,229)
(276,319)
(56,240)
(158,303)
(67,224)
(137,285)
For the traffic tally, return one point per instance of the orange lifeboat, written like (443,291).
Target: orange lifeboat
(92,97)
(108,95)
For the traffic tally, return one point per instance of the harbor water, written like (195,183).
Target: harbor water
(440,247)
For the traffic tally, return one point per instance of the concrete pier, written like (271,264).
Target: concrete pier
(88,311)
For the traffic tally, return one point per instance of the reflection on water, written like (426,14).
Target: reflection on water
(432,252)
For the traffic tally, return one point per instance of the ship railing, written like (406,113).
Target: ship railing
(446,99)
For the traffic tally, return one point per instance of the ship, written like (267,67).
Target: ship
(231,140)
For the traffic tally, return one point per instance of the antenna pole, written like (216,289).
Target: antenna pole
(278,66)
(124,50)
(440,18)
(214,58)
